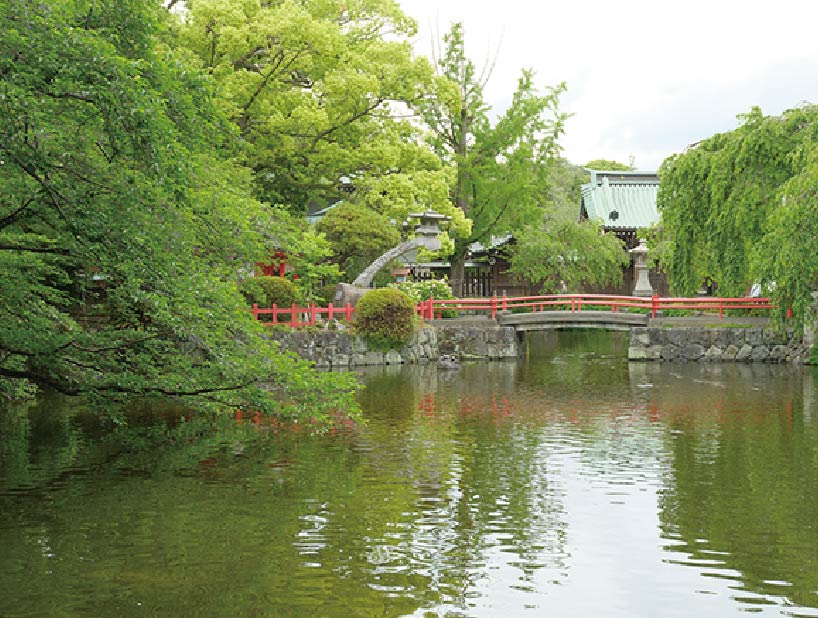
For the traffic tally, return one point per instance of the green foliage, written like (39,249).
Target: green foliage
(311,87)
(386,317)
(357,235)
(116,161)
(564,190)
(438,289)
(269,291)
(501,168)
(741,207)
(325,294)
(575,254)
(606,165)
(311,253)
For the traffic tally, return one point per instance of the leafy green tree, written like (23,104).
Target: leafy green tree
(570,254)
(501,168)
(607,165)
(740,207)
(315,89)
(111,168)
(564,189)
(357,235)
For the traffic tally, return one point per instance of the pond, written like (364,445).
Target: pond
(572,483)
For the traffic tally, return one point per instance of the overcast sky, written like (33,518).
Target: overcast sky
(645,78)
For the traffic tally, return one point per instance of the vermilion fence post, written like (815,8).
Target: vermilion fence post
(494,307)
(789,312)
(275,313)
(294,316)
(348,312)
(329,312)
(721,309)
(431,315)
(505,301)
(654,305)
(312,314)
(255,311)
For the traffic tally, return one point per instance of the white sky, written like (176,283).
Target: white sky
(645,78)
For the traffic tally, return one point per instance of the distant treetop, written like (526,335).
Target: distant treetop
(608,166)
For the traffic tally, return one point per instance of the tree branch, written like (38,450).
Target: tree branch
(13,216)
(53,250)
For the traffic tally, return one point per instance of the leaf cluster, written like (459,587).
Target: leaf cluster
(386,317)
(418,291)
(567,256)
(740,207)
(269,291)
(124,219)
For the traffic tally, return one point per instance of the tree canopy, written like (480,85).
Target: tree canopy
(116,170)
(566,255)
(318,91)
(741,207)
(608,165)
(501,168)
(357,235)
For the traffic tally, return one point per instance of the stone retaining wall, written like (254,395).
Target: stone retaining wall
(342,349)
(713,344)
(476,338)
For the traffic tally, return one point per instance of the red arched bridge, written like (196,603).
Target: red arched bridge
(556,311)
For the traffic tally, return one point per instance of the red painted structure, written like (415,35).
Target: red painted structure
(276,267)
(303,316)
(577,302)
(431,309)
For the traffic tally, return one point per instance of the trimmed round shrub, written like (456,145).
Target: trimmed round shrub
(386,317)
(267,291)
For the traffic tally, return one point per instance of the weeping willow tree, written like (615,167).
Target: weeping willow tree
(742,207)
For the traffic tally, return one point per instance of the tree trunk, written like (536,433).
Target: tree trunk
(457,272)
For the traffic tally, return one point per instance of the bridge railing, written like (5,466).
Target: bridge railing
(296,316)
(433,308)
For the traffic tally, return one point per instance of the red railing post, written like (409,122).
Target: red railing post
(789,312)
(348,312)
(294,316)
(312,314)
(329,312)
(721,308)
(431,314)
(572,304)
(505,301)
(654,305)
(275,313)
(494,307)
(255,311)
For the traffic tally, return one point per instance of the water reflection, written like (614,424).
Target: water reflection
(571,484)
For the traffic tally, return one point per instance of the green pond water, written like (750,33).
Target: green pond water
(570,484)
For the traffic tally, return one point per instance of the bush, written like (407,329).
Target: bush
(325,295)
(386,317)
(267,291)
(418,291)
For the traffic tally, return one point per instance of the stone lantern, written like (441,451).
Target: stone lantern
(640,263)
(428,229)
(426,236)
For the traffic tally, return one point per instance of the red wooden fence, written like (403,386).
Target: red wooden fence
(295,316)
(303,316)
(432,308)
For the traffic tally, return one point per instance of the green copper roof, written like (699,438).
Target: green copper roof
(621,200)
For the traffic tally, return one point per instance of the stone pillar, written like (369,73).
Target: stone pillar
(640,263)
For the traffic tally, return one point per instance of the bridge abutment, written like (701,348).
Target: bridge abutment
(733,344)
